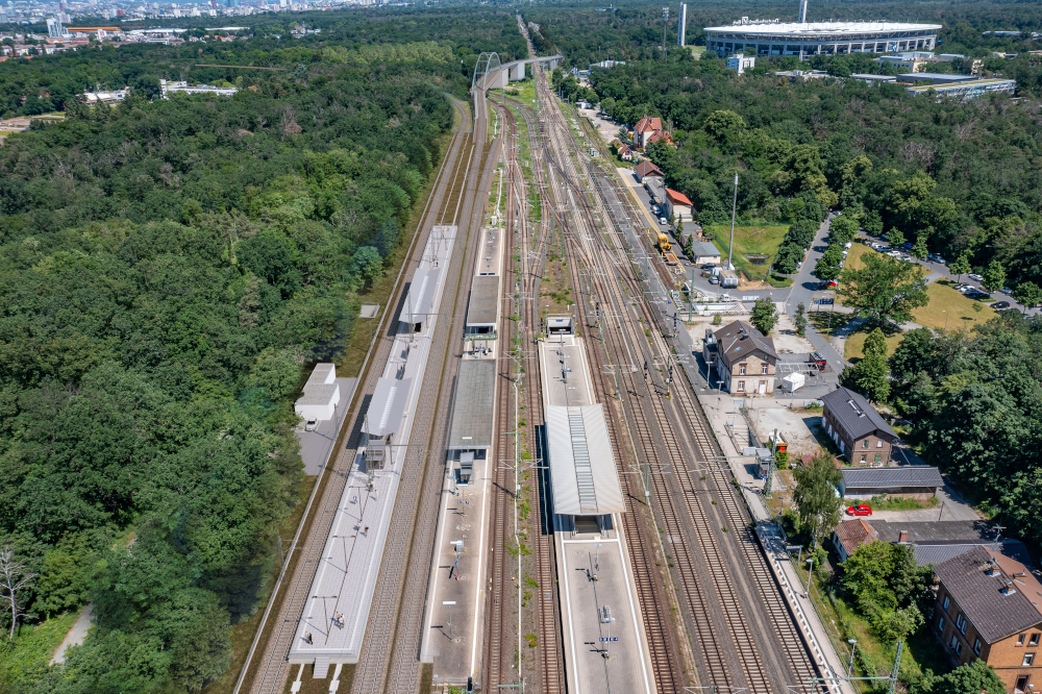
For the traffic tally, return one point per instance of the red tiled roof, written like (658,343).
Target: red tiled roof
(648,123)
(852,534)
(677,198)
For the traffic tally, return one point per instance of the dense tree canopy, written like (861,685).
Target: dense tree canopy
(169,269)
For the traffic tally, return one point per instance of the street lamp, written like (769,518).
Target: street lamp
(810,576)
(850,663)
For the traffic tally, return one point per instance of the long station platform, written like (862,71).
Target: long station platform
(605,646)
(333,622)
(454,628)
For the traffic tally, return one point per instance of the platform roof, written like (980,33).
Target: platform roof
(484,301)
(473,405)
(420,301)
(387,408)
(583,475)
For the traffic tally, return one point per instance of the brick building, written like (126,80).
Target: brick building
(744,360)
(861,433)
(987,608)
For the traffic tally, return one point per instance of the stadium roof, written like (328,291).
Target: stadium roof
(822,29)
(583,475)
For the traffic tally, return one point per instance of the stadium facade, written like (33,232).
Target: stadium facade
(803,38)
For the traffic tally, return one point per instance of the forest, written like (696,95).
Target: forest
(961,179)
(170,271)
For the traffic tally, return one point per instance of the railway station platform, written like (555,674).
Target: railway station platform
(604,643)
(603,629)
(333,622)
(454,622)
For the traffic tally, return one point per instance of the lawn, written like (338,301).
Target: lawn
(947,310)
(756,240)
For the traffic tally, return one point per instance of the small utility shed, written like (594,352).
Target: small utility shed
(321,394)
(704,252)
(920,481)
(861,433)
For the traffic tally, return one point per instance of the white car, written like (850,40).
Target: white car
(976,278)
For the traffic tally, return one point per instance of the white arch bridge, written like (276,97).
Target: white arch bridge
(490,73)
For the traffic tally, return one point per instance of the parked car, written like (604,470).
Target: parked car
(859,510)
(976,278)
(311,425)
(975,293)
(829,284)
(999,305)
(934,258)
(1007,290)
(663,220)
(715,279)
(907,245)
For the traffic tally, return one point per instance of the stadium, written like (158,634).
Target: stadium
(804,38)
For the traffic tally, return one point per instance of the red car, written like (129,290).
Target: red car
(859,510)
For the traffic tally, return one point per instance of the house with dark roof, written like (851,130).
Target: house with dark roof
(861,433)
(744,360)
(988,608)
(915,481)
(646,169)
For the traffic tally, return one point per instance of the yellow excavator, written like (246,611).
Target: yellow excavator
(663,243)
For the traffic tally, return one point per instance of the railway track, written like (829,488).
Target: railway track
(389,659)
(744,606)
(266,669)
(519,379)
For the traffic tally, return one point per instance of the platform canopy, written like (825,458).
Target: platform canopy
(419,303)
(387,408)
(473,406)
(583,473)
(483,311)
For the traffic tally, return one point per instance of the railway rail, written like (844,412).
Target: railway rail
(710,543)
(266,669)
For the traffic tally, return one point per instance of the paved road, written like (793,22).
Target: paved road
(805,288)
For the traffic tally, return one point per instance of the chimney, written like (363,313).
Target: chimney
(902,537)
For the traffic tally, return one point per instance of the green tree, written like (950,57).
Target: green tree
(871,375)
(799,319)
(919,249)
(764,316)
(1028,293)
(827,268)
(888,587)
(974,677)
(369,263)
(884,289)
(842,230)
(961,266)
(815,495)
(994,276)
(895,237)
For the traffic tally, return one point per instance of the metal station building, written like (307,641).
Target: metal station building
(803,38)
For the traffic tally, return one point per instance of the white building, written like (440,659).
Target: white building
(321,395)
(167,88)
(740,63)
